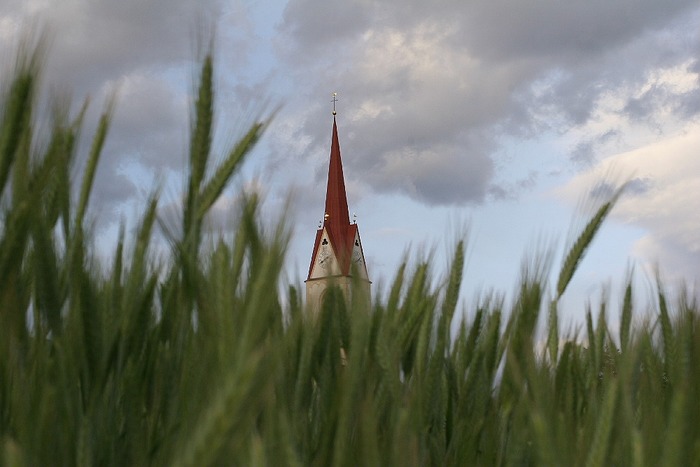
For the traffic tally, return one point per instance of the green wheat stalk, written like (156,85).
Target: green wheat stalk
(583,241)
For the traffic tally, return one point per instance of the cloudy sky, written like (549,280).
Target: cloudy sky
(502,115)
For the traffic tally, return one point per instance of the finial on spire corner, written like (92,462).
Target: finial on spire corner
(334,100)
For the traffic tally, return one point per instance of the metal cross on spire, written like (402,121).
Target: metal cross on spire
(334,100)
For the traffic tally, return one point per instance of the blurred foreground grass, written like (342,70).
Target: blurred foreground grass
(199,361)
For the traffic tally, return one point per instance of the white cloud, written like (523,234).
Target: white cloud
(663,199)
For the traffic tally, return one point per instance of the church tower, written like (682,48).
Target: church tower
(337,257)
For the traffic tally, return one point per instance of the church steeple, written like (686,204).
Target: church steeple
(336,217)
(337,252)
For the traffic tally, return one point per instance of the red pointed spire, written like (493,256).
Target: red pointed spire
(336,217)
(337,250)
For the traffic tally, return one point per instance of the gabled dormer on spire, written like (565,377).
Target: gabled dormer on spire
(337,252)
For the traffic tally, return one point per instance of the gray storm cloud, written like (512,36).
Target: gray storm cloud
(449,80)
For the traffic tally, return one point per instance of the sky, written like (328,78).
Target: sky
(503,119)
